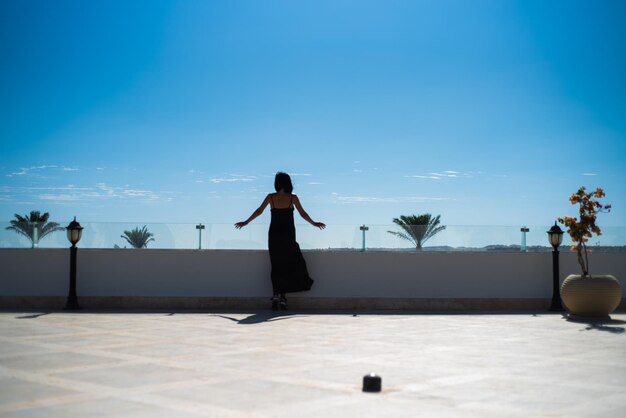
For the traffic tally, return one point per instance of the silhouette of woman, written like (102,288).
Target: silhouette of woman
(289,272)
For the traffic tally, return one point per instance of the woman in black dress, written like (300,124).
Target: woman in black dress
(289,273)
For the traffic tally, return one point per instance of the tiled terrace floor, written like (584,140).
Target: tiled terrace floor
(309,365)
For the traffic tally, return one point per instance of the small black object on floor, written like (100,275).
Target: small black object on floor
(372,383)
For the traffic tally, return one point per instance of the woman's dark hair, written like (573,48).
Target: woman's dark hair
(283,181)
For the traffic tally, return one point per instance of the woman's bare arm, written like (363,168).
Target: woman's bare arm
(256,213)
(305,216)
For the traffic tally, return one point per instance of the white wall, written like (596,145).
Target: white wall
(240,273)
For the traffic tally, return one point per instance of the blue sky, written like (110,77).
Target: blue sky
(485,112)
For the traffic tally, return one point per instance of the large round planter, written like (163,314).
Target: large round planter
(591,295)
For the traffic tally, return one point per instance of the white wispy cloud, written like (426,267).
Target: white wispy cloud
(447,174)
(589,174)
(127,192)
(22,172)
(40,189)
(71,193)
(398,199)
(232,178)
(59,197)
(148,194)
(314,183)
(37,170)
(424,177)
(28,170)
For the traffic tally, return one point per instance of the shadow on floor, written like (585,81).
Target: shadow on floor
(32,316)
(599,324)
(258,318)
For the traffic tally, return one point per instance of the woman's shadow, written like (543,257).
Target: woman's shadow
(260,317)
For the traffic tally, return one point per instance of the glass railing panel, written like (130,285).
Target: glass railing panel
(333,237)
(227,237)
(453,238)
(108,235)
(487,238)
(13,239)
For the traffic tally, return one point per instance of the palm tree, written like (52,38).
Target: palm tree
(34,227)
(418,229)
(138,238)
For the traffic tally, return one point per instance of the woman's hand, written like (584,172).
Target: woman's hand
(240,225)
(319,225)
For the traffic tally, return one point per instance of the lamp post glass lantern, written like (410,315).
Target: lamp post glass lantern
(555,237)
(74,234)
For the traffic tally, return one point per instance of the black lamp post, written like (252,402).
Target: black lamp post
(74,233)
(555,236)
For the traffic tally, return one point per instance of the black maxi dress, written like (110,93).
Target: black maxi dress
(289,272)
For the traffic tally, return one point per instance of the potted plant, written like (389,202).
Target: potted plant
(584,294)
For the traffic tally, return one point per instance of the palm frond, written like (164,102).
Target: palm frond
(34,226)
(138,238)
(49,228)
(19,230)
(403,236)
(418,228)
